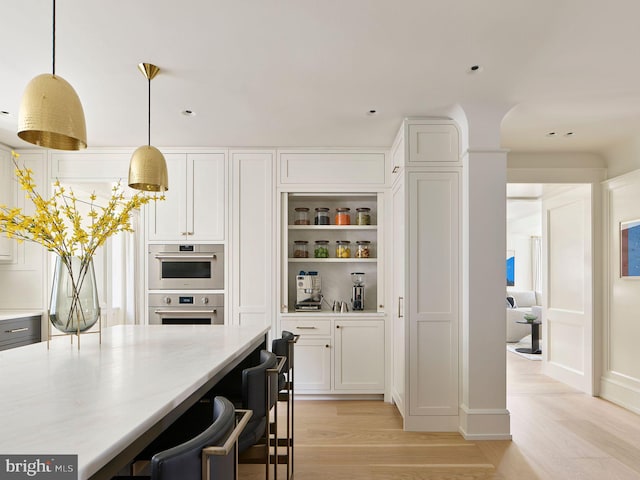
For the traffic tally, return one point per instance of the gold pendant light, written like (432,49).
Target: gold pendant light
(50,113)
(148,169)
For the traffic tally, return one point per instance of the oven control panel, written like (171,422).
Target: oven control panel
(185,300)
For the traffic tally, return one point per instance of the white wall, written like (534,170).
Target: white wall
(623,157)
(621,370)
(555,160)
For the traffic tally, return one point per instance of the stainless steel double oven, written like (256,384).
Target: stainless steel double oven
(179,279)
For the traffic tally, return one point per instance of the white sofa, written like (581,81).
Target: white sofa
(526,301)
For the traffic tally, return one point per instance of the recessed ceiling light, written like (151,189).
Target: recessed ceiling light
(189,113)
(372,112)
(551,134)
(475,68)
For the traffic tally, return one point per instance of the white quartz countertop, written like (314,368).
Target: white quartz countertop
(12,315)
(97,400)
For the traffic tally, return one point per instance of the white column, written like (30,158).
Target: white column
(483,413)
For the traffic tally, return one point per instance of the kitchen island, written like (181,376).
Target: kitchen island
(106,401)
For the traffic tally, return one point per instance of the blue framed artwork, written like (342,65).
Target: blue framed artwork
(630,248)
(511,268)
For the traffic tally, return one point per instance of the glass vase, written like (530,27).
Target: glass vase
(74,295)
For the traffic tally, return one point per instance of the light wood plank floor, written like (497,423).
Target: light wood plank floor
(558,433)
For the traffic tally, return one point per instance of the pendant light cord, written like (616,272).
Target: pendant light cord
(149,115)
(53,67)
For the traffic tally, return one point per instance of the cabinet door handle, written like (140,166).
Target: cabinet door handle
(189,233)
(400,303)
(327,346)
(395,169)
(337,326)
(184,233)
(187,256)
(16,330)
(306,328)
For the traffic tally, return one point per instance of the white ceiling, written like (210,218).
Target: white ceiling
(305,72)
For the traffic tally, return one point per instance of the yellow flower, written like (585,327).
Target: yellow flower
(57,223)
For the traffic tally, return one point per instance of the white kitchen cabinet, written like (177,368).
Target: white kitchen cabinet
(433,143)
(426,281)
(345,167)
(194,209)
(398,266)
(359,355)
(313,365)
(338,354)
(6,198)
(252,237)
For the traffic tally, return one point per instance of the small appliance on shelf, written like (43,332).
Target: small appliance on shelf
(357,291)
(308,292)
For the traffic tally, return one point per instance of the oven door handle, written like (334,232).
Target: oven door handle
(184,312)
(176,256)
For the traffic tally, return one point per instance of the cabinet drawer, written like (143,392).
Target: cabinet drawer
(18,332)
(308,327)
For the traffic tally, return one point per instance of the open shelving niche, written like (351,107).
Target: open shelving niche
(334,272)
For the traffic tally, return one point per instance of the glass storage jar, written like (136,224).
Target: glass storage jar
(343,249)
(363,249)
(321,249)
(363,216)
(302,216)
(300,249)
(343,217)
(322,216)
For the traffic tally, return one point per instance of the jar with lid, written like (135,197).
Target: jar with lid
(322,216)
(363,249)
(321,249)
(343,249)
(300,249)
(302,216)
(363,216)
(343,217)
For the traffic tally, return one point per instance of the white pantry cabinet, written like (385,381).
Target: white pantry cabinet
(426,280)
(338,354)
(194,208)
(252,234)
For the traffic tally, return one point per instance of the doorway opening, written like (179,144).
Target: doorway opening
(550,229)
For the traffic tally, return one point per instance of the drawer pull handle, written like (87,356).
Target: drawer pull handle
(306,328)
(327,346)
(16,330)
(337,326)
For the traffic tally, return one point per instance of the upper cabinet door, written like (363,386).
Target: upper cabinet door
(194,208)
(206,193)
(433,143)
(331,168)
(167,219)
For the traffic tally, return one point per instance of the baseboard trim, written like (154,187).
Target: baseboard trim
(338,396)
(620,393)
(485,423)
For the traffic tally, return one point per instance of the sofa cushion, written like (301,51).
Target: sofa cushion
(526,298)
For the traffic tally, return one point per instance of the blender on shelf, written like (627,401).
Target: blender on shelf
(357,291)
